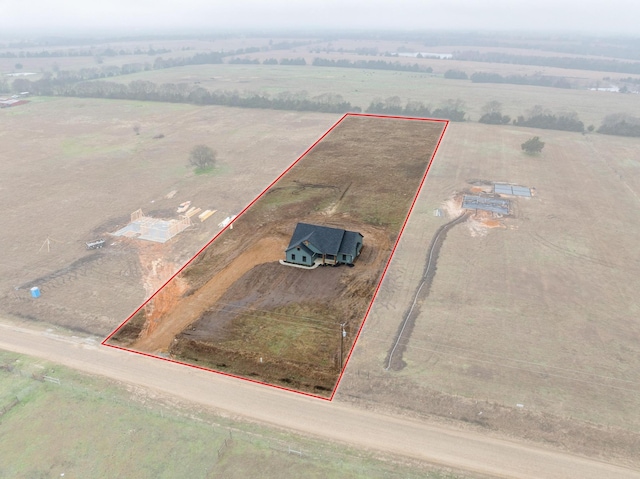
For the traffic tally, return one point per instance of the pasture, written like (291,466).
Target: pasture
(529,328)
(538,315)
(75,171)
(361,87)
(89,427)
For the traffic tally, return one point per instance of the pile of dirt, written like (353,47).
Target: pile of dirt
(481,222)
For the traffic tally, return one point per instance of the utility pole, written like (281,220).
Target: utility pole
(342,336)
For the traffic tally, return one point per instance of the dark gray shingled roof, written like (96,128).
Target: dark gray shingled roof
(349,242)
(327,240)
(324,238)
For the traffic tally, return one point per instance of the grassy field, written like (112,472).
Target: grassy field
(87,427)
(76,172)
(360,87)
(180,48)
(541,312)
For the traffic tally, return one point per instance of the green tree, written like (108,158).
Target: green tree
(202,157)
(532,145)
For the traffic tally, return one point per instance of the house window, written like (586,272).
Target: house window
(344,257)
(304,259)
(293,257)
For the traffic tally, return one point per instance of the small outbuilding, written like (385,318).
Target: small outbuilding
(313,244)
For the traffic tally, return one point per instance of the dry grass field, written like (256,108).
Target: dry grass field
(361,87)
(540,312)
(74,170)
(529,328)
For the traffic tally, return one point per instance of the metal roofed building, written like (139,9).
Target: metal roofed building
(512,190)
(495,205)
(311,244)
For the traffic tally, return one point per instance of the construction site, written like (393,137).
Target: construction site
(237,310)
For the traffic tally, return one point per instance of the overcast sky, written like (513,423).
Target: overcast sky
(61,16)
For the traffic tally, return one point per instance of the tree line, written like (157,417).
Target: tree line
(184,93)
(535,80)
(371,65)
(620,124)
(538,117)
(450,110)
(106,52)
(574,63)
(456,75)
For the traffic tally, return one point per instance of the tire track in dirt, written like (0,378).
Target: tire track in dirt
(394,359)
(568,252)
(184,311)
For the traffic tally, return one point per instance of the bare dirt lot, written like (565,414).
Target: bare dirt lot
(74,170)
(244,313)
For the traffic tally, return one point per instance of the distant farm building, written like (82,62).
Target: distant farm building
(494,205)
(313,245)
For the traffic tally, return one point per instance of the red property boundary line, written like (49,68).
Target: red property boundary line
(375,294)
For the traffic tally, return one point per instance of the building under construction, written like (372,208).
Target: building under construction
(153,229)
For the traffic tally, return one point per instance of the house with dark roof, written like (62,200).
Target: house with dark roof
(313,244)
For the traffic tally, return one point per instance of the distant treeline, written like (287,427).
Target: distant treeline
(183,93)
(494,118)
(539,117)
(574,63)
(535,80)
(578,44)
(635,81)
(371,65)
(450,110)
(269,61)
(64,77)
(620,124)
(293,61)
(210,58)
(455,75)
(106,52)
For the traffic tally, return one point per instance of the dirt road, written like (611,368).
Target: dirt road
(334,421)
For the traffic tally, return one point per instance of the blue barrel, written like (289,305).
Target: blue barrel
(35,292)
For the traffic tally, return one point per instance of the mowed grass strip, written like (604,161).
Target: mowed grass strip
(89,427)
